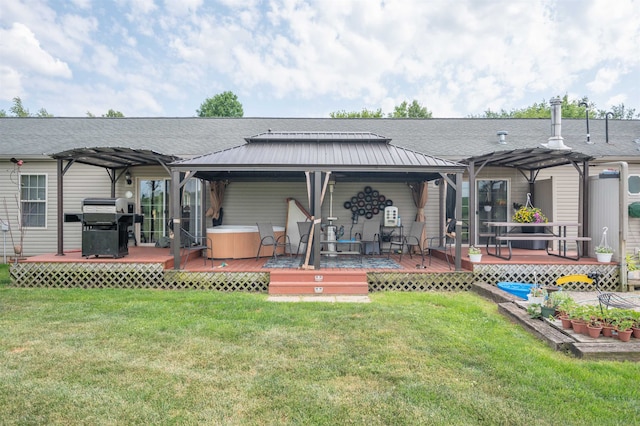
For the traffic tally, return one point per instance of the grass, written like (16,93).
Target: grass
(162,357)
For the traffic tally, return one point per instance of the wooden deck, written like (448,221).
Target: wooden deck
(409,264)
(151,267)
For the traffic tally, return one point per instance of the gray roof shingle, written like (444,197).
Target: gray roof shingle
(453,139)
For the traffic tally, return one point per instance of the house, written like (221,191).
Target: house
(35,142)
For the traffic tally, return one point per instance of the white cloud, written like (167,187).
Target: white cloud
(11,83)
(19,46)
(182,7)
(604,80)
(456,58)
(82,4)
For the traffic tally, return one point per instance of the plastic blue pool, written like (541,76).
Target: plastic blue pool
(517,289)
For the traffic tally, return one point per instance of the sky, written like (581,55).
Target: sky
(302,58)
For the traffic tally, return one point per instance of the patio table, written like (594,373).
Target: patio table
(503,232)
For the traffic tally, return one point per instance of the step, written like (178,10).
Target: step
(296,275)
(317,283)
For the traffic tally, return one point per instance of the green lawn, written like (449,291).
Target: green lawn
(178,357)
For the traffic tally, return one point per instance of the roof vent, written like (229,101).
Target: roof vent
(502,140)
(556,141)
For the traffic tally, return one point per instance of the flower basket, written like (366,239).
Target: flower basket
(530,214)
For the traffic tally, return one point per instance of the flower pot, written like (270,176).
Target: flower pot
(535,299)
(594,331)
(604,257)
(566,323)
(487,208)
(607,331)
(547,312)
(625,335)
(579,326)
(475,258)
(636,332)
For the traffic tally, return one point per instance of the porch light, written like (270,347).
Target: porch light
(127,177)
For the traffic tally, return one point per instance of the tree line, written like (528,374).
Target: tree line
(226,104)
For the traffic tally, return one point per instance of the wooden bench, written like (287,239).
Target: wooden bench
(562,248)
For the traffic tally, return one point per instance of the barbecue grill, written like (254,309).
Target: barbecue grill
(105,226)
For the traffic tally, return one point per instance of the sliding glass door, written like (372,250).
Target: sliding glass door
(493,204)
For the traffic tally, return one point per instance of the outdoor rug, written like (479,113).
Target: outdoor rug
(335,262)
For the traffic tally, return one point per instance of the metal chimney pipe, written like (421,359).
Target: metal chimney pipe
(556,140)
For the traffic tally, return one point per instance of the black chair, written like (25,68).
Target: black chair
(443,243)
(304,229)
(268,239)
(413,239)
(190,242)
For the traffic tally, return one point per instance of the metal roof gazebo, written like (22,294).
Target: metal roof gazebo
(295,156)
(115,160)
(529,162)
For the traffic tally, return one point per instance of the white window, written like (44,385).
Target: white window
(634,184)
(33,200)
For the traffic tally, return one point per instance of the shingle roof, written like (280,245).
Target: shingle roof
(453,139)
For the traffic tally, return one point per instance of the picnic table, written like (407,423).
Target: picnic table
(506,232)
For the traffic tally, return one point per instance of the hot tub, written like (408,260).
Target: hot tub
(517,289)
(238,241)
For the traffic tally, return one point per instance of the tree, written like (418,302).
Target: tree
(365,113)
(110,114)
(404,110)
(223,104)
(113,114)
(619,112)
(415,110)
(18,110)
(575,108)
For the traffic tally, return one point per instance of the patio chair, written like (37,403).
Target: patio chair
(304,229)
(607,299)
(370,237)
(443,243)
(190,243)
(413,239)
(268,239)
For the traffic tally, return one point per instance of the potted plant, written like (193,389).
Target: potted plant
(475,255)
(635,317)
(594,327)
(579,317)
(548,308)
(534,310)
(530,214)
(633,273)
(624,330)
(537,295)
(604,253)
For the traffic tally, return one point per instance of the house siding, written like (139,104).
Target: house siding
(80,182)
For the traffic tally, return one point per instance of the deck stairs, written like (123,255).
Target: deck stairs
(310,282)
